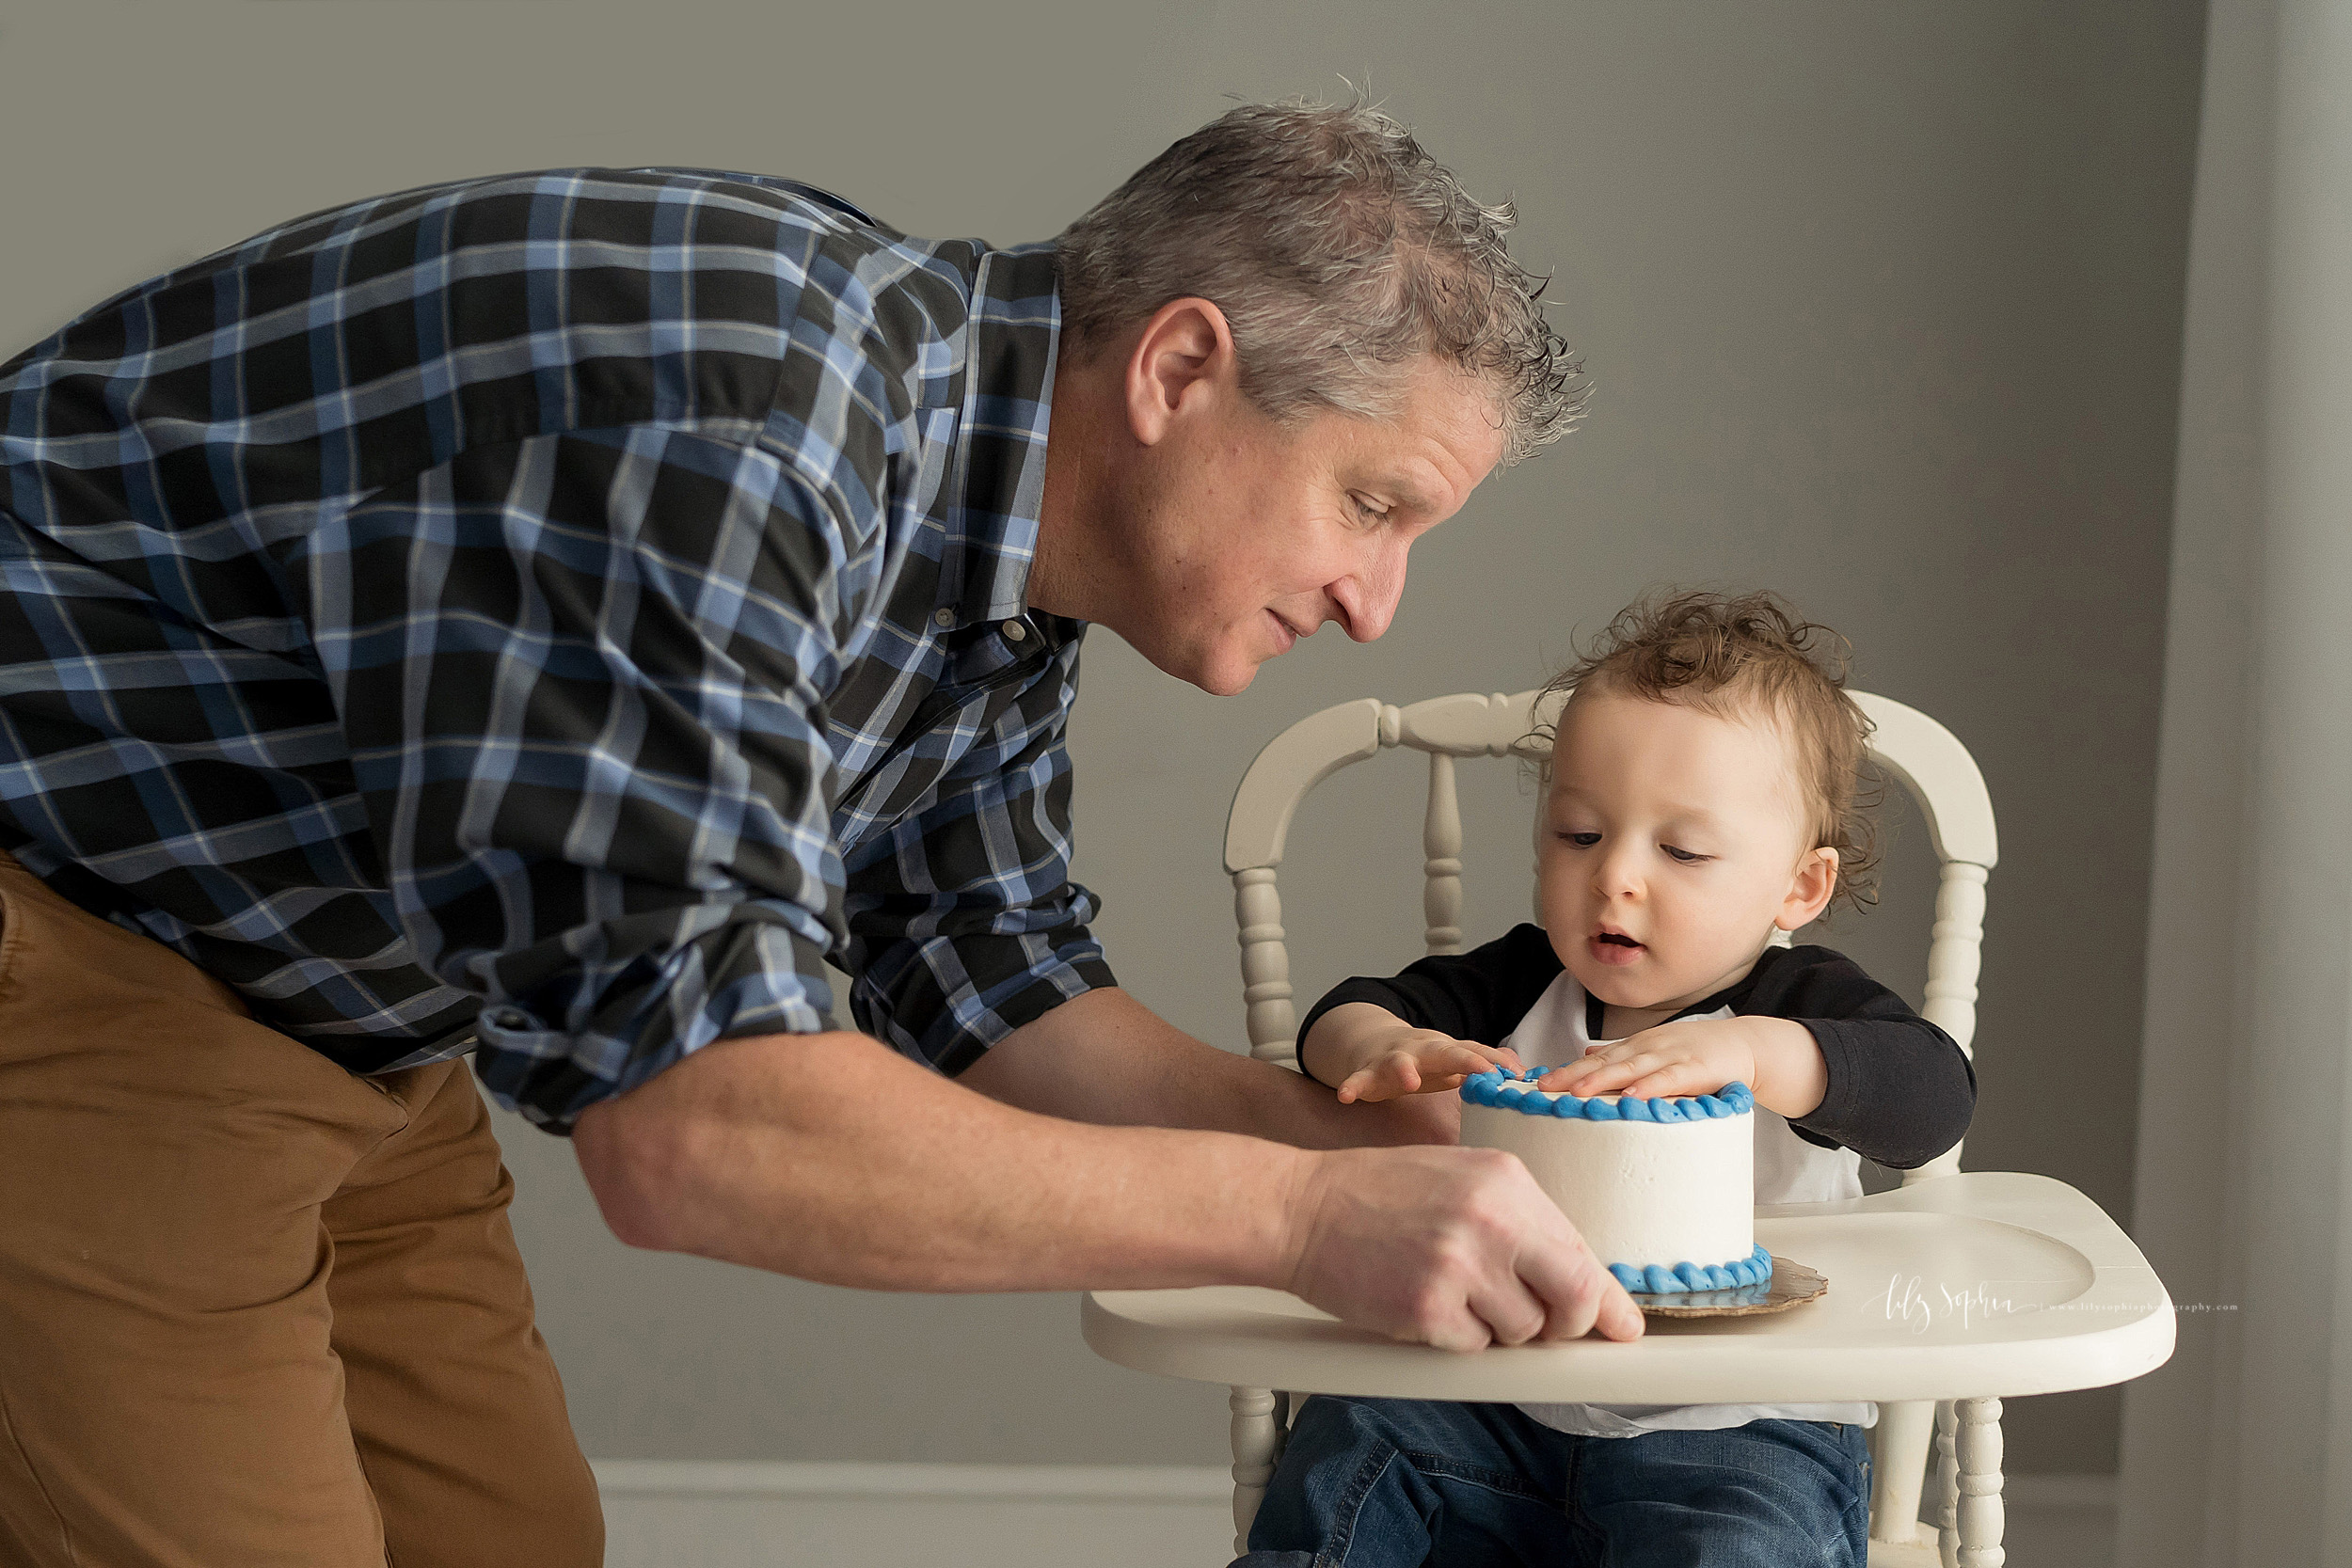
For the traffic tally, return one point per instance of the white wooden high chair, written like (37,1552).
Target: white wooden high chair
(1946,1292)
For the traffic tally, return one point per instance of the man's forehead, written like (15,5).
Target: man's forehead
(1434,450)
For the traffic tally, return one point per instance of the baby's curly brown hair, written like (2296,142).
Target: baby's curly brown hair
(1736,654)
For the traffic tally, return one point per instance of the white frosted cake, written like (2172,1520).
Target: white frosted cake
(1662,1190)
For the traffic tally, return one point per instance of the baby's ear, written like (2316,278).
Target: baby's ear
(1810,890)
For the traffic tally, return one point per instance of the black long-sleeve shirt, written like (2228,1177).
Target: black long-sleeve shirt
(1900,1090)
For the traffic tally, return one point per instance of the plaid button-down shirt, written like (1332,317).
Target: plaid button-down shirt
(559,608)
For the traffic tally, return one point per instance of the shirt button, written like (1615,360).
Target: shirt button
(943,618)
(1015,631)
(511,1018)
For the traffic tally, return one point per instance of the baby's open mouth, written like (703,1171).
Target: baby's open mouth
(1615,939)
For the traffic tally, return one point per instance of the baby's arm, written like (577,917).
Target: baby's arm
(1896,1090)
(1470,1000)
(1369,1052)
(1777,1059)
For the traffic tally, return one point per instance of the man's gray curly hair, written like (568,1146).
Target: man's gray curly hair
(1338,250)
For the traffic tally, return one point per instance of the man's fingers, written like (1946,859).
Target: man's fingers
(1581,1295)
(1460,1336)
(1619,1317)
(1564,1301)
(1509,1309)
(1457,1248)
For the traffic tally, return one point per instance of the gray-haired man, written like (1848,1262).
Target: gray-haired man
(544,616)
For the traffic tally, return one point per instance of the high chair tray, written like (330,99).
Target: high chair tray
(1980,1283)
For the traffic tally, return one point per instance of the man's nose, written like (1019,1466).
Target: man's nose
(1368,597)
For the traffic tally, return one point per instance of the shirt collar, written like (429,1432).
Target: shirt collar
(996,488)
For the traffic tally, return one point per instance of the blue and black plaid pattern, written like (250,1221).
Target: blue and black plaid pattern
(558,609)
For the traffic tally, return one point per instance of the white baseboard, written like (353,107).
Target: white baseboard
(684,1513)
(666,1514)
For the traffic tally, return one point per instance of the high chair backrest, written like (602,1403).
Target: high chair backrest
(1931,763)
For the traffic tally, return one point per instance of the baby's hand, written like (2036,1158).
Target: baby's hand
(1405,1060)
(1692,1055)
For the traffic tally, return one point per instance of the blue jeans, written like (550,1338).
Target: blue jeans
(1370,1483)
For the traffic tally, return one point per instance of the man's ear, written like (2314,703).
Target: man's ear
(1185,351)
(1810,890)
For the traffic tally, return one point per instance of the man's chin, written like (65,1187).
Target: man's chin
(1215,671)
(1225,682)
(1218,678)
(1221,682)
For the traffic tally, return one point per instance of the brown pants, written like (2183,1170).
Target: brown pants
(253,1310)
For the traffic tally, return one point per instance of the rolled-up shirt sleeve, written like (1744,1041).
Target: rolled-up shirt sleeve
(582,680)
(964,922)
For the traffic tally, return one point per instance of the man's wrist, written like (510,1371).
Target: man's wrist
(1299,1198)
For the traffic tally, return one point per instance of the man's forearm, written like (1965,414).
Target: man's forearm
(1106,1058)
(831,1158)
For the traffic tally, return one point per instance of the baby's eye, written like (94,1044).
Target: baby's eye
(1583,841)
(1683,855)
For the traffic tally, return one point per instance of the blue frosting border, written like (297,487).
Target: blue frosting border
(1501,1088)
(1657,1279)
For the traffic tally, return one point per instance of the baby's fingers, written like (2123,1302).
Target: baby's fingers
(1459,1059)
(1386,1079)
(1599,1075)
(1674,1078)
(1573,1074)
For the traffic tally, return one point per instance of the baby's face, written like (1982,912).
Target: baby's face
(1672,843)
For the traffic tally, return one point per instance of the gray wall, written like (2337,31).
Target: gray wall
(1882,305)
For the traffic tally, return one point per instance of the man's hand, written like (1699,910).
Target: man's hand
(1373,1054)
(1776,1058)
(1459,1248)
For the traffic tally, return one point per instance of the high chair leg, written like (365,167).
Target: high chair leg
(1257,1442)
(1899,1455)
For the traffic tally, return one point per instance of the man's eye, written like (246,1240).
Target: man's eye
(1366,511)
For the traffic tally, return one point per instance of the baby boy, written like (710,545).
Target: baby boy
(1701,796)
